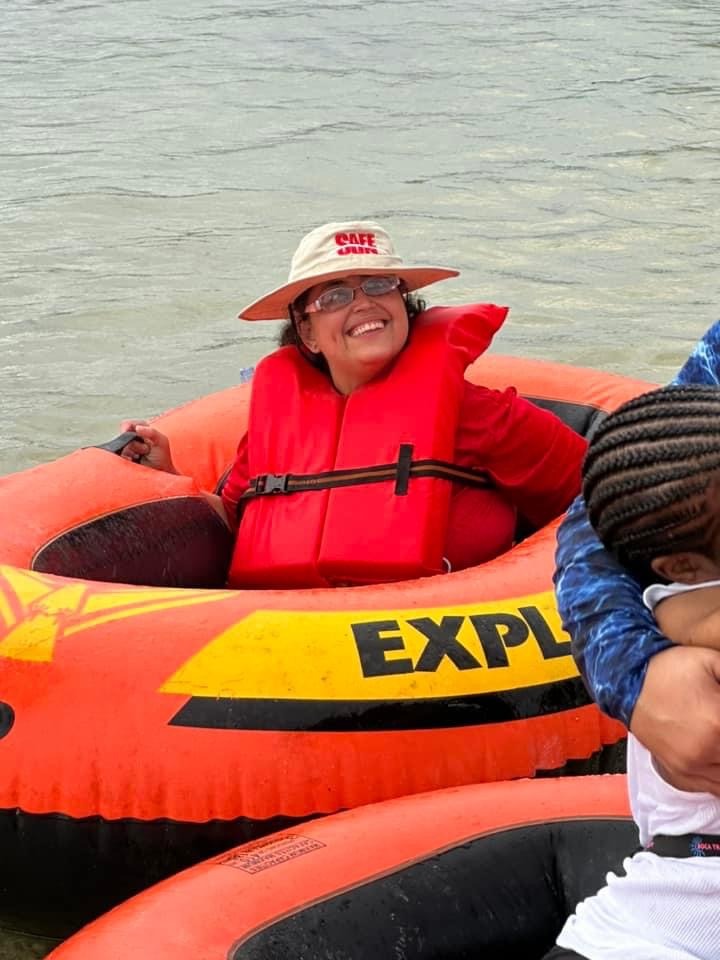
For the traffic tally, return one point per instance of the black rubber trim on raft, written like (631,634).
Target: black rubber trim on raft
(349,716)
(583,418)
(57,873)
(500,896)
(180,542)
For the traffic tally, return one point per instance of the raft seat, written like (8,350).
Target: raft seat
(164,543)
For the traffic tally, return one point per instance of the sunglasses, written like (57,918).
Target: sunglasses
(334,298)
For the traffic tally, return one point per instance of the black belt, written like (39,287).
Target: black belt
(687,845)
(401,472)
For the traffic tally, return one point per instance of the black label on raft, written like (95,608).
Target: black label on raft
(383,651)
(496,633)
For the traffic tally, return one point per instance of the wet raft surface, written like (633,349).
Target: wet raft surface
(498,897)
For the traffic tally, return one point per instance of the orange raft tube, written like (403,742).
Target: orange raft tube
(490,870)
(143,728)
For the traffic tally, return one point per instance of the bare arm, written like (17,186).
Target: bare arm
(692,619)
(677,716)
(689,619)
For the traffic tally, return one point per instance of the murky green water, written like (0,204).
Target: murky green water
(160,161)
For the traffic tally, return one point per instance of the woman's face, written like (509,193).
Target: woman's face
(358,340)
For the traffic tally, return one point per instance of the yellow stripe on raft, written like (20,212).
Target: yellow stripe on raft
(383,654)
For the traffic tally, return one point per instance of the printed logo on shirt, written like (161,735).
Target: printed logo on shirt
(700,846)
(355,243)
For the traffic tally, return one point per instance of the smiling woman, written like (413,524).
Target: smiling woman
(358,325)
(412,470)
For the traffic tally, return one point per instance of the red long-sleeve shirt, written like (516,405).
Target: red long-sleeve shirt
(532,456)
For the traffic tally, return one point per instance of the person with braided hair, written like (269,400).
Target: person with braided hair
(667,694)
(651,483)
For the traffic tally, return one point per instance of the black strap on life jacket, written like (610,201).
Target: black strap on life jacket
(687,845)
(402,471)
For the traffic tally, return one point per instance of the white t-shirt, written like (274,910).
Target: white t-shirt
(664,908)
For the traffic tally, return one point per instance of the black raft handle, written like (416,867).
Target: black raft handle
(117,444)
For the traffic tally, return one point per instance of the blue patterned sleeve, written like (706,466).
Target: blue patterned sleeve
(703,364)
(613,634)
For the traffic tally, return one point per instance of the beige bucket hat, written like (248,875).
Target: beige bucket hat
(337,250)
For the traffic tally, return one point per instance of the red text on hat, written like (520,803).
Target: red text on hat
(355,243)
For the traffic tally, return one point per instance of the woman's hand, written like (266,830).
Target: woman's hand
(677,716)
(153,449)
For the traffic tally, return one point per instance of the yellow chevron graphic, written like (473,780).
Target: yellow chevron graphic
(36,611)
(281,654)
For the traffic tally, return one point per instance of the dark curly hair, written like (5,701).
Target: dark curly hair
(290,337)
(650,472)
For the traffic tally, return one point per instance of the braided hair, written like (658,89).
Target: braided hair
(649,472)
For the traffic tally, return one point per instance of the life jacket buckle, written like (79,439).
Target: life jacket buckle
(272,483)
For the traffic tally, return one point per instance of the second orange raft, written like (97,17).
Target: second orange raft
(485,871)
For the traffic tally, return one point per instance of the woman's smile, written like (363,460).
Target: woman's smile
(365,326)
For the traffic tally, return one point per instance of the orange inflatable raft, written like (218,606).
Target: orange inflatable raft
(490,870)
(149,718)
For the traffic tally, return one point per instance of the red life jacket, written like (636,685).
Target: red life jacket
(369,531)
